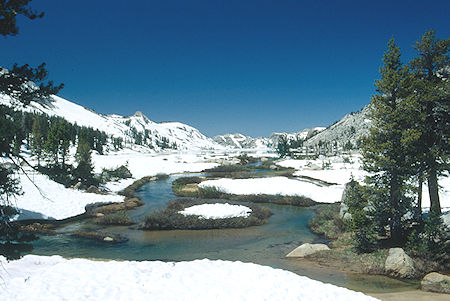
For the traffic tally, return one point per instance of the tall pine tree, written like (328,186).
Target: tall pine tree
(431,69)
(385,151)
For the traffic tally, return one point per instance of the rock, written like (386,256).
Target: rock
(77,185)
(435,282)
(107,238)
(446,219)
(307,249)
(99,214)
(92,189)
(273,167)
(399,264)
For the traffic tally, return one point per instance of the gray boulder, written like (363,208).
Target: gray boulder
(435,282)
(399,264)
(307,249)
(93,189)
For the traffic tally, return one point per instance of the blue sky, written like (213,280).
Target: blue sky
(253,67)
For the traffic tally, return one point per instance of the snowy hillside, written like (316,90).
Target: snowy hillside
(241,141)
(131,128)
(347,130)
(300,136)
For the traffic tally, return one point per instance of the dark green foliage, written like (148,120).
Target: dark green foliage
(84,170)
(361,223)
(431,74)
(169,218)
(115,174)
(187,180)
(283,147)
(9,11)
(245,159)
(387,150)
(430,239)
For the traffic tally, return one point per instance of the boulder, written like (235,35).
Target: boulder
(435,282)
(109,239)
(307,249)
(92,189)
(399,264)
(78,185)
(446,219)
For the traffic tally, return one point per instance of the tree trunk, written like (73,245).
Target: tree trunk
(419,198)
(433,190)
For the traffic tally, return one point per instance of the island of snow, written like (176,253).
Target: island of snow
(217,211)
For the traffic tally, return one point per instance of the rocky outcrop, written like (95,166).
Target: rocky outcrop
(399,264)
(435,282)
(307,249)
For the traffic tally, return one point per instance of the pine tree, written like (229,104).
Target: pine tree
(385,151)
(84,169)
(431,70)
(37,142)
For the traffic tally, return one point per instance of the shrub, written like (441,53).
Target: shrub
(161,176)
(115,174)
(119,218)
(361,224)
(430,239)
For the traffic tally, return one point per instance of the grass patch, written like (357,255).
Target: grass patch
(186,186)
(130,191)
(347,259)
(170,219)
(326,221)
(119,218)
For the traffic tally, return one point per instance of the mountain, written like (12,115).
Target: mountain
(137,131)
(300,136)
(346,131)
(241,141)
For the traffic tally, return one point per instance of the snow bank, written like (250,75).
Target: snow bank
(55,278)
(53,200)
(278,185)
(217,210)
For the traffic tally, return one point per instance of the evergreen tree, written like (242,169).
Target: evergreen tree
(83,158)
(385,153)
(431,70)
(38,141)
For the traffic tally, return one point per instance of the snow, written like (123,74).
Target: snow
(55,278)
(53,200)
(278,186)
(217,210)
(340,173)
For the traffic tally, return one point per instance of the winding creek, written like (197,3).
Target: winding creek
(266,244)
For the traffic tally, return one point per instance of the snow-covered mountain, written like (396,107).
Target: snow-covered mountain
(241,141)
(347,130)
(300,136)
(153,135)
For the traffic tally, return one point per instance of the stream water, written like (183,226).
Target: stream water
(267,244)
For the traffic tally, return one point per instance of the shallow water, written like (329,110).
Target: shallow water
(266,244)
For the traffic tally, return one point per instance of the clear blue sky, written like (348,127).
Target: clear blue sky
(222,66)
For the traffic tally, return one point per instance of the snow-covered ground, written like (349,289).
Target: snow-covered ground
(55,278)
(278,185)
(217,210)
(53,200)
(340,172)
